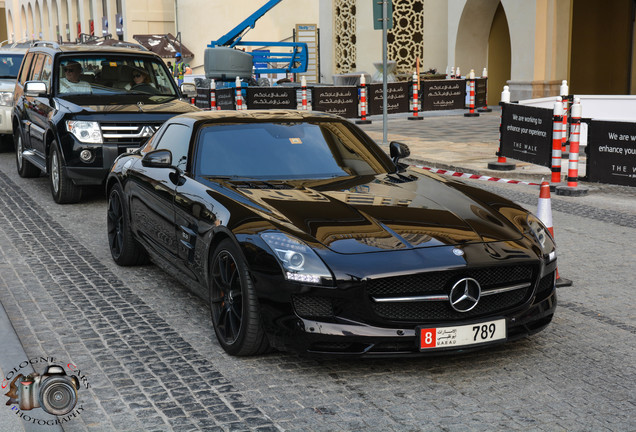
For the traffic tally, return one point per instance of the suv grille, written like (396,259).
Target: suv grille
(440,283)
(128,133)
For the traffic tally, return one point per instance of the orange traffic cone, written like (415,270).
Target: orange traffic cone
(544,213)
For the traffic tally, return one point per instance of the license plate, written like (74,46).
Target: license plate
(459,336)
(131,149)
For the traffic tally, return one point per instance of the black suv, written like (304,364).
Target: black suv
(77,107)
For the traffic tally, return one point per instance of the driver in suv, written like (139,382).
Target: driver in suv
(76,111)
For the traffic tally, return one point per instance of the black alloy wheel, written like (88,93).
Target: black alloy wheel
(233,304)
(25,168)
(124,249)
(63,189)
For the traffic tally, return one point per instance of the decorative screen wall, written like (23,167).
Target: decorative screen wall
(406,38)
(345,35)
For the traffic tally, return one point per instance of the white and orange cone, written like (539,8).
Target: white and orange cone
(544,213)
(544,208)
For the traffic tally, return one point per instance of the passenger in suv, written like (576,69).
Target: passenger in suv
(10,60)
(76,111)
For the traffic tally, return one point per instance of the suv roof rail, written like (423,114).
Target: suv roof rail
(125,44)
(47,43)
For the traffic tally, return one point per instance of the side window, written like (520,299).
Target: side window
(25,68)
(176,138)
(47,68)
(37,68)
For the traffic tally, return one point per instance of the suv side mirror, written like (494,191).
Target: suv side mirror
(35,88)
(188,88)
(157,159)
(398,151)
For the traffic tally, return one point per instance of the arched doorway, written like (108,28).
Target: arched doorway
(471,47)
(30,23)
(65,23)
(499,57)
(47,28)
(10,26)
(38,30)
(56,28)
(23,25)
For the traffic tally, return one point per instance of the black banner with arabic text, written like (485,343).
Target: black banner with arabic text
(443,94)
(225,99)
(271,97)
(481,85)
(336,100)
(397,101)
(203,99)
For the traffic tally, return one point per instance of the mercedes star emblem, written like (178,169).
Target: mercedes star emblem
(465,294)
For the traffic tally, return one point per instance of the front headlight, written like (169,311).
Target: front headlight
(299,261)
(542,235)
(85,131)
(6,98)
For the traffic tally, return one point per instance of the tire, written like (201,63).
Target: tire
(25,168)
(233,303)
(124,249)
(63,189)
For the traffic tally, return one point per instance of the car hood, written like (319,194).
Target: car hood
(7,85)
(155,105)
(377,213)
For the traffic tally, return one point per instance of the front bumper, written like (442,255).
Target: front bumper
(360,340)
(6,128)
(95,171)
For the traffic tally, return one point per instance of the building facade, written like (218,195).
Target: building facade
(530,45)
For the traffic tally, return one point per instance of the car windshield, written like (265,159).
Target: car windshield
(10,65)
(114,75)
(297,150)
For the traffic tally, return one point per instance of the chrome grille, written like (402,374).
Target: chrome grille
(127,133)
(390,297)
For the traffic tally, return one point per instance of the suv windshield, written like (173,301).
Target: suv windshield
(114,74)
(10,65)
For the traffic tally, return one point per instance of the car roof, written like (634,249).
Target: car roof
(88,49)
(4,50)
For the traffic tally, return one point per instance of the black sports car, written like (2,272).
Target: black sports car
(304,235)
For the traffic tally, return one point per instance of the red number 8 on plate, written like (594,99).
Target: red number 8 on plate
(427,338)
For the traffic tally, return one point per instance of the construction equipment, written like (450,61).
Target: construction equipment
(224,61)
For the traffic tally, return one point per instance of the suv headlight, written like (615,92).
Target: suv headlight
(6,98)
(85,131)
(299,261)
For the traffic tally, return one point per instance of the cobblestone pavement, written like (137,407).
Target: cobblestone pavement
(145,343)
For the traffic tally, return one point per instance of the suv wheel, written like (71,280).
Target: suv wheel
(62,188)
(25,168)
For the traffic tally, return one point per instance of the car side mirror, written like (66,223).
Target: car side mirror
(398,151)
(35,88)
(188,88)
(157,159)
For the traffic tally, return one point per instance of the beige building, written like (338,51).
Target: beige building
(531,45)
